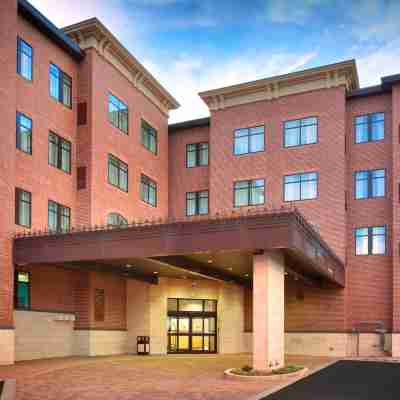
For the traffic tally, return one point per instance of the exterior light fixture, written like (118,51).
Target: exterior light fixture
(246,275)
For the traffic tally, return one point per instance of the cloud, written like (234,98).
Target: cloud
(188,75)
(379,62)
(294,11)
(375,19)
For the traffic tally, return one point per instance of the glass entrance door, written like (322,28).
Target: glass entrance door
(193,330)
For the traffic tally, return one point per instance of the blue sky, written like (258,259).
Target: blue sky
(191,46)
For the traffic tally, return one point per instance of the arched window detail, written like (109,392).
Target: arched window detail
(116,219)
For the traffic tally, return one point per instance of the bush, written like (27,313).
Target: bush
(288,369)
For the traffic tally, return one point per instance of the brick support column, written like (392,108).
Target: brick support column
(268,310)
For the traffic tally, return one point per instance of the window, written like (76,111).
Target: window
(22,290)
(369,184)
(301,186)
(59,217)
(197,203)
(148,190)
(196,154)
(60,85)
(370,240)
(115,219)
(23,208)
(59,152)
(369,127)
(300,132)
(24,133)
(117,173)
(249,193)
(149,137)
(249,140)
(24,59)
(118,113)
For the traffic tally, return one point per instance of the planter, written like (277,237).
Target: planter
(228,374)
(9,390)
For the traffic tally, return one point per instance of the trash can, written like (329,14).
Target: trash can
(143,345)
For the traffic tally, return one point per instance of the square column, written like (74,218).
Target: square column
(268,310)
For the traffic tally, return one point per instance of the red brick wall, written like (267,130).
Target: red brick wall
(52,288)
(326,157)
(8,38)
(108,139)
(396,207)
(182,179)
(33,173)
(320,309)
(369,278)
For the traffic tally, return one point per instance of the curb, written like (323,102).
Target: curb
(228,374)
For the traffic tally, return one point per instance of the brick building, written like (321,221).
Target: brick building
(269,227)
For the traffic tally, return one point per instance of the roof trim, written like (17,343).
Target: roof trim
(193,123)
(367,91)
(45,26)
(92,33)
(333,75)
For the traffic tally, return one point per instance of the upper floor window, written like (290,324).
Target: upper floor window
(60,85)
(117,173)
(24,59)
(300,132)
(118,113)
(149,137)
(369,127)
(148,190)
(23,208)
(371,240)
(22,290)
(196,154)
(197,203)
(249,140)
(369,184)
(59,152)
(59,217)
(249,193)
(115,219)
(301,186)
(24,133)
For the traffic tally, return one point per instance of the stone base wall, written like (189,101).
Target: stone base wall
(7,346)
(43,334)
(99,342)
(395,345)
(147,311)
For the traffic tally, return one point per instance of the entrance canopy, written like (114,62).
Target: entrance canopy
(217,247)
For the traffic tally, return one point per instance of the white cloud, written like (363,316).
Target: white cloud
(375,20)
(188,75)
(379,62)
(297,11)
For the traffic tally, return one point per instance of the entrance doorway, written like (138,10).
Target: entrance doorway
(192,326)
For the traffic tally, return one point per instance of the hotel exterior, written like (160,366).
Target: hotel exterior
(271,227)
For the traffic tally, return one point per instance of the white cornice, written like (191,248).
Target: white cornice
(327,76)
(93,34)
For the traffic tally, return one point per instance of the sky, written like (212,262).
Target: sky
(191,46)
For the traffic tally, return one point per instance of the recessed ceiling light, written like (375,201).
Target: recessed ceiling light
(128,265)
(155,272)
(229,268)
(210,261)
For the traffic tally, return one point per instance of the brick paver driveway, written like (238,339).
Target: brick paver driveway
(143,378)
